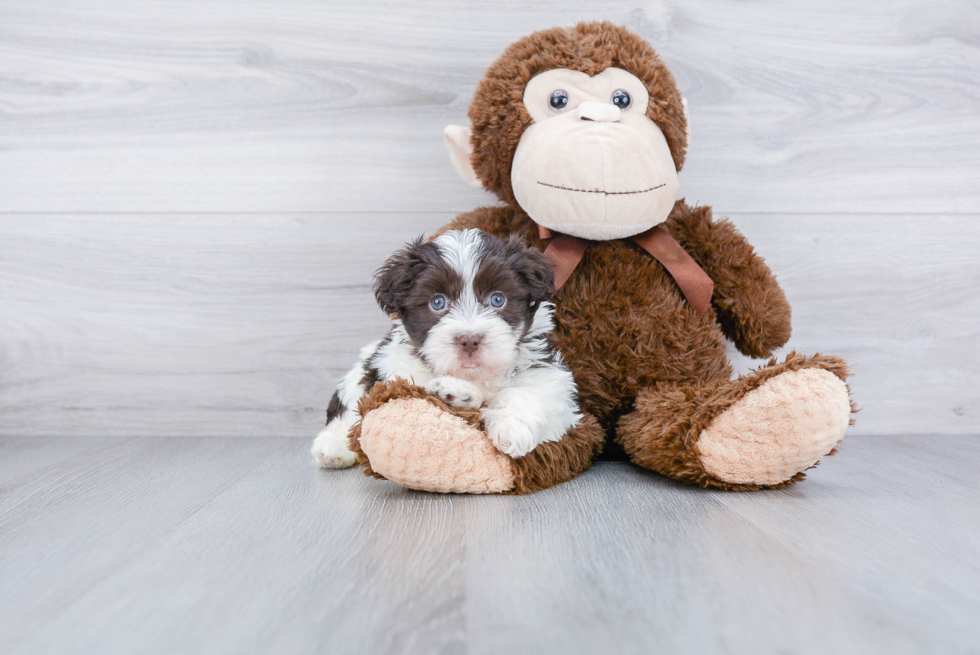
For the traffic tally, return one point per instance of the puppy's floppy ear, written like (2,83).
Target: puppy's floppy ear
(534,268)
(395,277)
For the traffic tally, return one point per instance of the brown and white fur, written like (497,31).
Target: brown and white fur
(473,327)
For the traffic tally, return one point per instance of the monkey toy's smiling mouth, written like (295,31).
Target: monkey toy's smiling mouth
(603,192)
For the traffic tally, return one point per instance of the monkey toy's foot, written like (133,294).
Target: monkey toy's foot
(759,431)
(418,443)
(415,439)
(782,427)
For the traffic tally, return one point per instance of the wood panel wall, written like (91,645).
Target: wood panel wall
(193,195)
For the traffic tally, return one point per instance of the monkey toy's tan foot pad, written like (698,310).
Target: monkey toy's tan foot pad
(757,432)
(412,438)
(416,444)
(783,425)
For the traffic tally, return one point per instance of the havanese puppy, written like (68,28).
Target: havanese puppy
(472,325)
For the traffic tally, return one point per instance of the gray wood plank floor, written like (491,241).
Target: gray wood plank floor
(216,545)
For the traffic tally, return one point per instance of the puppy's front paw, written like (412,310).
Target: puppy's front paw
(511,435)
(456,392)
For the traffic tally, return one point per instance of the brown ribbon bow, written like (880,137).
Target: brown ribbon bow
(567,251)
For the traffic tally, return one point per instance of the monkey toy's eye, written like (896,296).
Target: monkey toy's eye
(621,99)
(559,100)
(438,303)
(497,300)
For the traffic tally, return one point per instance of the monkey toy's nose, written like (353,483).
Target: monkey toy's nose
(599,111)
(469,342)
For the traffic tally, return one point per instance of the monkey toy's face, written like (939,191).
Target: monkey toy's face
(592,164)
(582,128)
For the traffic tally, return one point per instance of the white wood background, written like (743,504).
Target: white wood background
(193,195)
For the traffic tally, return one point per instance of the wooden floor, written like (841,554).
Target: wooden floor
(225,545)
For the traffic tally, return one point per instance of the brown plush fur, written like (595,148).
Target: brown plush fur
(626,332)
(624,325)
(649,369)
(547,465)
(558,461)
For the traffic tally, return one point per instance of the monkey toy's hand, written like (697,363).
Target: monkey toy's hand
(456,392)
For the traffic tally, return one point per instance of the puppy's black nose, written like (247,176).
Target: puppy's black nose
(469,342)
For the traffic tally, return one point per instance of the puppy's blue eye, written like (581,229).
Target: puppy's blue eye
(559,100)
(621,99)
(438,303)
(497,300)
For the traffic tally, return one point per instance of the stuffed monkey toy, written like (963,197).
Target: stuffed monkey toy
(580,133)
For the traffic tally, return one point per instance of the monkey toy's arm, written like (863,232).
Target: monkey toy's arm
(751,307)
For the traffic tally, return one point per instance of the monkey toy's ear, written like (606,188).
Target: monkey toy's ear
(460,150)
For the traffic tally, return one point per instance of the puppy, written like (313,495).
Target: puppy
(472,325)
